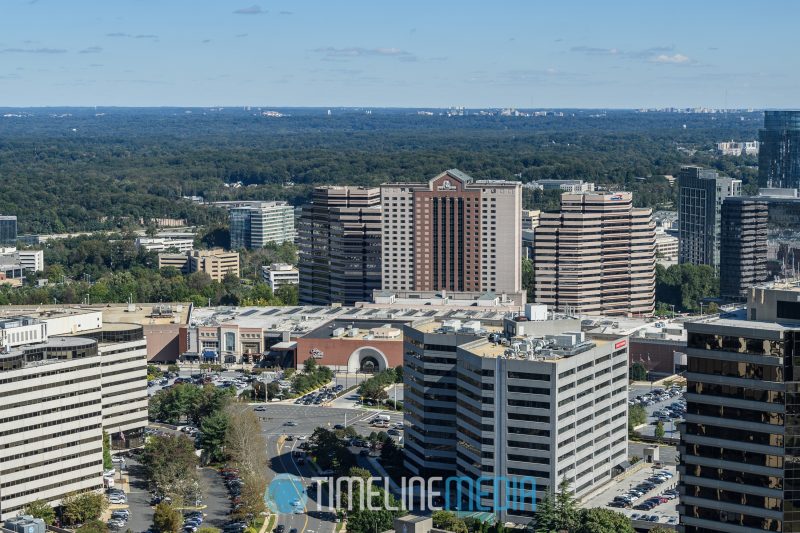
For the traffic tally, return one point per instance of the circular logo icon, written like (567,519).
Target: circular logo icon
(286,494)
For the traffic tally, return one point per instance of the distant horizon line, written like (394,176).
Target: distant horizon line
(438,108)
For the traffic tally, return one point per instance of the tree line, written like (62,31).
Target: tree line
(112,170)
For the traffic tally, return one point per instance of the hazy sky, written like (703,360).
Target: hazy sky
(491,53)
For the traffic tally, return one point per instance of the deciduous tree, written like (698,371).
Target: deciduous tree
(40,509)
(167,519)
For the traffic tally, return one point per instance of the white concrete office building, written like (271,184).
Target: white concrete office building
(50,422)
(543,400)
(278,274)
(57,395)
(254,225)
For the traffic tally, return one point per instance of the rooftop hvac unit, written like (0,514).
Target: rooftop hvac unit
(473,326)
(352,332)
(338,332)
(565,340)
(451,325)
(536,312)
(25,524)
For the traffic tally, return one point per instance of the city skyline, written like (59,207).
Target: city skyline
(314,54)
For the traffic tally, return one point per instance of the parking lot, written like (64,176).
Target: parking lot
(669,404)
(664,512)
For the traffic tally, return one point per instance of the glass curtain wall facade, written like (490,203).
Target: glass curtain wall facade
(779,154)
(8,231)
(740,444)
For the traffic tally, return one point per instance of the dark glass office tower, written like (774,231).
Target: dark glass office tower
(8,231)
(779,152)
(339,244)
(759,241)
(700,196)
(743,245)
(740,444)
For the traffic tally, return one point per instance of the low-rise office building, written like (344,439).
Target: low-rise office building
(666,247)
(216,263)
(278,274)
(162,244)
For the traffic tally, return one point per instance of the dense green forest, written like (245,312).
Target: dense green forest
(64,170)
(109,268)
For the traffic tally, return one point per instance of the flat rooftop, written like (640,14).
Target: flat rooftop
(141,313)
(435,325)
(304,320)
(364,327)
(484,348)
(10,312)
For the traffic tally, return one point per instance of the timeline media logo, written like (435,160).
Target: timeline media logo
(286,494)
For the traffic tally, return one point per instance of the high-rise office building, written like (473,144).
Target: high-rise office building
(8,231)
(339,243)
(596,256)
(759,239)
(700,196)
(452,233)
(258,224)
(59,394)
(743,245)
(779,154)
(740,444)
(551,405)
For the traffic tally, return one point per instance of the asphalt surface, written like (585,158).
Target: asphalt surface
(215,499)
(138,499)
(316,519)
(667,454)
(670,427)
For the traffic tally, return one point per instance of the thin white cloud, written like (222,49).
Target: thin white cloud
(674,59)
(132,36)
(91,50)
(331,52)
(594,51)
(255,9)
(32,51)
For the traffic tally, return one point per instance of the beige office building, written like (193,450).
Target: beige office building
(216,263)
(452,233)
(596,256)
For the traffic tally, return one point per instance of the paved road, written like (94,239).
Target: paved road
(307,418)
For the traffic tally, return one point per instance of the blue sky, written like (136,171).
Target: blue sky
(411,53)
